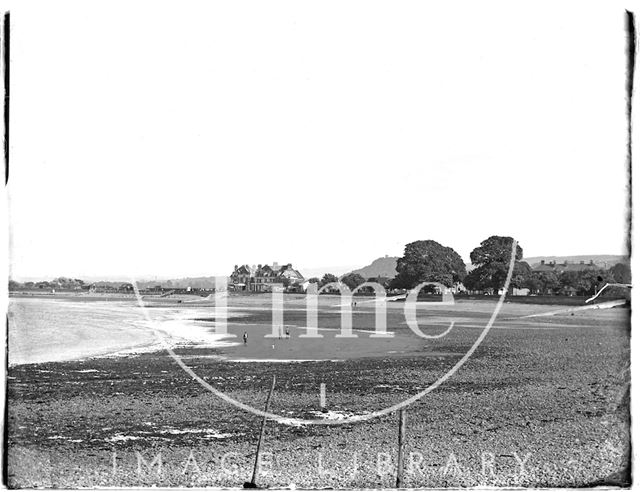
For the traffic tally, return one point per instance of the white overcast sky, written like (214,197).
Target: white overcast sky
(179,139)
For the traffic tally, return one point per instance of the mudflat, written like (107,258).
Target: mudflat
(542,402)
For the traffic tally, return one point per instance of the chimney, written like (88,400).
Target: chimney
(542,262)
(566,262)
(591,262)
(235,267)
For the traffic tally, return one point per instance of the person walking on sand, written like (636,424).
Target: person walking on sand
(244,337)
(286,332)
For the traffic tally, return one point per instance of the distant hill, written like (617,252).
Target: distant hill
(603,261)
(382,267)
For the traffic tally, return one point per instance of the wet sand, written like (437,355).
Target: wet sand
(555,393)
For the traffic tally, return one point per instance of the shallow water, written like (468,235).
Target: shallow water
(47,330)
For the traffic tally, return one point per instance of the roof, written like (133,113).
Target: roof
(268,271)
(287,269)
(562,267)
(243,270)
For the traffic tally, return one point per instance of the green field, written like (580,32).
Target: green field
(542,402)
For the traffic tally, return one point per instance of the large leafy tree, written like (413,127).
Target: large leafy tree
(328,278)
(586,282)
(545,282)
(13,285)
(491,260)
(477,279)
(495,249)
(621,273)
(534,284)
(428,261)
(352,280)
(521,274)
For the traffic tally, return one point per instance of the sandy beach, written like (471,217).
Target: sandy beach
(552,389)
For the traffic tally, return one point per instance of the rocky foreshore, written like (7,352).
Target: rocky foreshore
(533,407)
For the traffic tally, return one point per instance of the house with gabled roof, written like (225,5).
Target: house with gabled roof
(247,278)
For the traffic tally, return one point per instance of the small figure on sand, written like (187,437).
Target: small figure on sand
(244,337)
(286,332)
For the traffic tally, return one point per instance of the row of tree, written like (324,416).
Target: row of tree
(582,282)
(429,261)
(63,283)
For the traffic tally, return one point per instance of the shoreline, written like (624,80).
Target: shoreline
(532,300)
(50,329)
(77,415)
(192,326)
